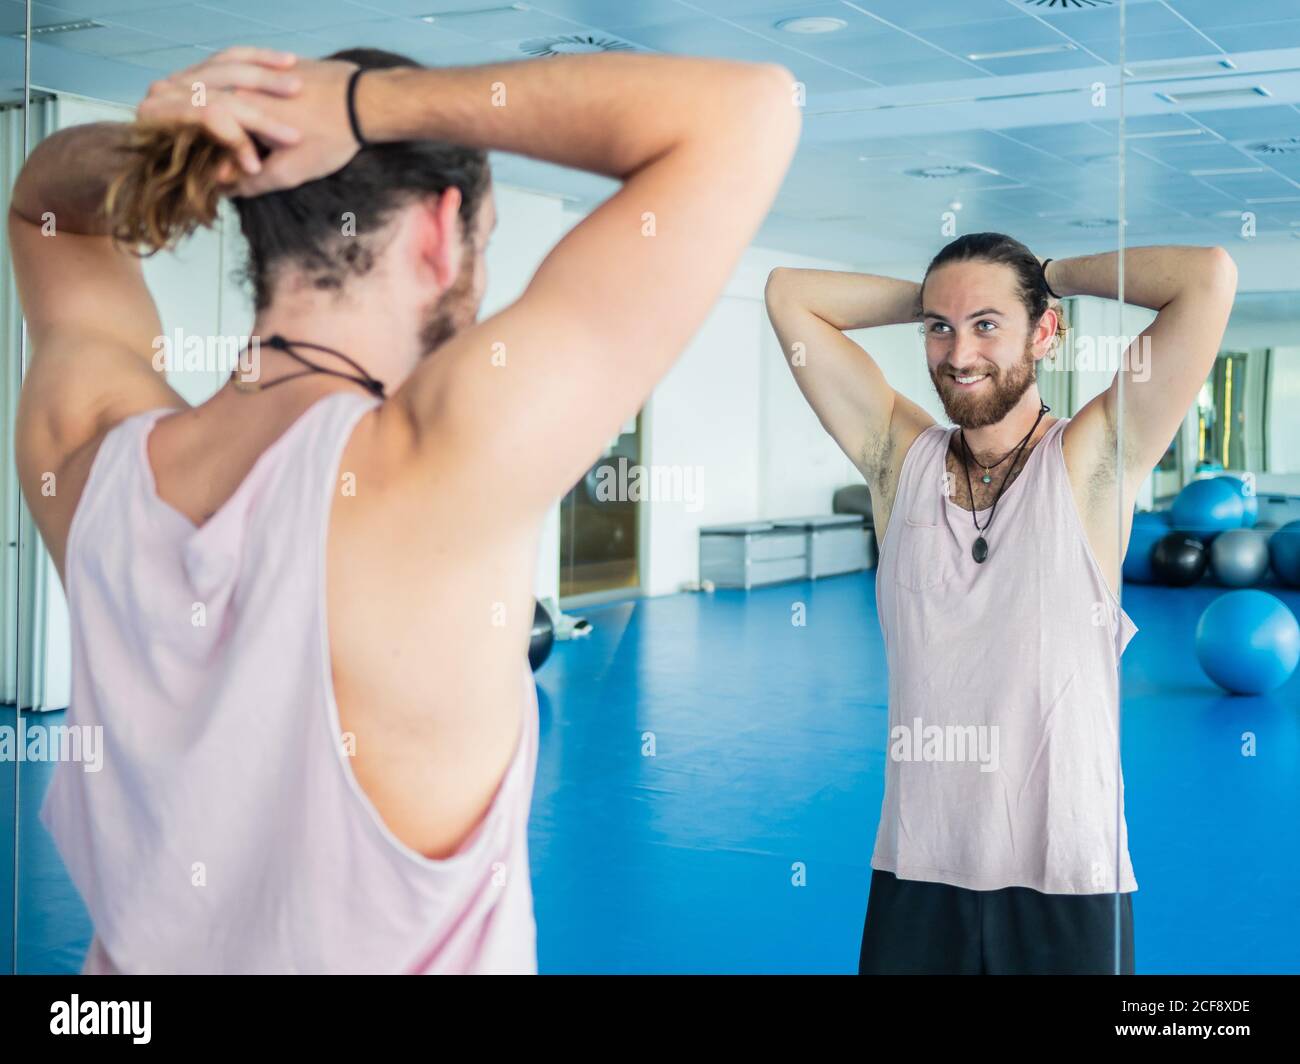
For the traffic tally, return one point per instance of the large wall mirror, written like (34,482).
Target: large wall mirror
(923,124)
(1159,705)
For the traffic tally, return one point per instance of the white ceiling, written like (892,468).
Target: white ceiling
(894,91)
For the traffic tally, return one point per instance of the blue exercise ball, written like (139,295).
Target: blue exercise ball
(1208,507)
(1248,642)
(1284,553)
(1249,500)
(1154,518)
(1239,557)
(1141,542)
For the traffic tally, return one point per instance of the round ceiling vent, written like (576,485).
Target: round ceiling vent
(1066,5)
(1285,146)
(932,172)
(812,24)
(573,44)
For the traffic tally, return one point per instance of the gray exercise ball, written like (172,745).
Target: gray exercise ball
(1239,557)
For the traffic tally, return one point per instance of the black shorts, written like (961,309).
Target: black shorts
(919,928)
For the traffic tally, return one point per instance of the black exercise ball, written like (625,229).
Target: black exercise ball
(539,646)
(1179,559)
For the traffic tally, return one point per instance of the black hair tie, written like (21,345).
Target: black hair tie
(352,108)
(1045,284)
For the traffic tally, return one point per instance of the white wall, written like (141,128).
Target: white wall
(1265,267)
(704,415)
(802,466)
(1283,422)
(731,407)
(1281,332)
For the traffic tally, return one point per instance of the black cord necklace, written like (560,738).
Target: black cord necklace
(279,343)
(987,478)
(980,548)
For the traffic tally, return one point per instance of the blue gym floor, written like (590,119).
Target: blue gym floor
(768,760)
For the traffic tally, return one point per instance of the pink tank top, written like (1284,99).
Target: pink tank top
(225,831)
(1002,765)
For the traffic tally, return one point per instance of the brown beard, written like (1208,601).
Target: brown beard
(452,312)
(1005,389)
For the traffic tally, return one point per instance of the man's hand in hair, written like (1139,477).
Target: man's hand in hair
(294,109)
